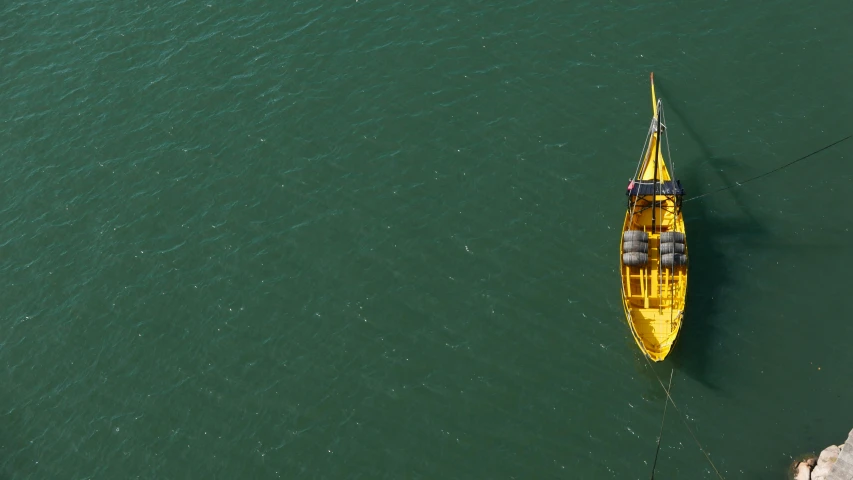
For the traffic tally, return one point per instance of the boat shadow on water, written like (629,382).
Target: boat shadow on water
(709,239)
(711,236)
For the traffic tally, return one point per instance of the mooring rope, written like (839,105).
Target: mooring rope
(660,435)
(737,184)
(683,419)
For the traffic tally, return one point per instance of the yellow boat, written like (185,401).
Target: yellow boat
(653,251)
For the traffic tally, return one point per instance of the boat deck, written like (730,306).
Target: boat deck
(654,298)
(656,327)
(652,286)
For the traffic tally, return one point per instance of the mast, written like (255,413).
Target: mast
(657,147)
(655,180)
(654,200)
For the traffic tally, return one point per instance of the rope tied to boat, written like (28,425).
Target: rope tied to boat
(683,419)
(738,184)
(660,435)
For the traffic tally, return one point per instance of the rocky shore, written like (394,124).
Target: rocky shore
(834,463)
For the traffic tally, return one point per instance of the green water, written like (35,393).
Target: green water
(371,239)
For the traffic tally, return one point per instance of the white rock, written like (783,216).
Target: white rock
(803,471)
(824,463)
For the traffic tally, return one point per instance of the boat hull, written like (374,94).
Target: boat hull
(653,250)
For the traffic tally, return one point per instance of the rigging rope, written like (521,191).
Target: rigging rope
(668,153)
(660,435)
(643,152)
(737,184)
(683,419)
